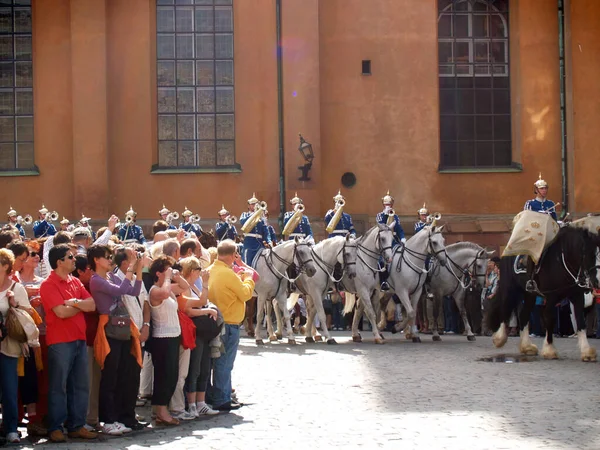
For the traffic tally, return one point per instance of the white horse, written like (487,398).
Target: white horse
(326,254)
(465,260)
(372,246)
(272,266)
(408,272)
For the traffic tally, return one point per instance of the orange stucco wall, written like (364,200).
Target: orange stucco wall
(95,110)
(585,51)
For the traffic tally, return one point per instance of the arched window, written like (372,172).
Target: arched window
(194,46)
(473,43)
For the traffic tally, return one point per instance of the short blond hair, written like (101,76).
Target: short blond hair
(212,251)
(7,258)
(226,248)
(188,265)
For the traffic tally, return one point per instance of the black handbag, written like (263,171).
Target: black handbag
(3,329)
(119,323)
(206,328)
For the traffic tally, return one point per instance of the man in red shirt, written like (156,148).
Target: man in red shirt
(64,299)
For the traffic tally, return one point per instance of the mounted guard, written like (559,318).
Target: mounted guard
(534,229)
(84,222)
(65,225)
(295,223)
(168,217)
(225,228)
(190,222)
(389,218)
(270,229)
(42,227)
(130,230)
(338,222)
(255,229)
(423,221)
(15,220)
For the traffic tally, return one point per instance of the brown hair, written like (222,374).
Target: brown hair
(160,264)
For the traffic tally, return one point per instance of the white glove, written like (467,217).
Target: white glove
(403,240)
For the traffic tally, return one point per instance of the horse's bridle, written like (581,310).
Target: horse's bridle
(466,272)
(373,254)
(319,261)
(286,263)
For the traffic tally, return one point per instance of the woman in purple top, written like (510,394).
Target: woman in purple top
(120,380)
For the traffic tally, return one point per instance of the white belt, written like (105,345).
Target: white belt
(254,235)
(298,234)
(340,232)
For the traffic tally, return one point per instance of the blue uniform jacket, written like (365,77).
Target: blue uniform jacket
(542,207)
(420,225)
(127,232)
(20,228)
(382,218)
(190,227)
(272,234)
(252,244)
(225,231)
(345,223)
(41,228)
(304,229)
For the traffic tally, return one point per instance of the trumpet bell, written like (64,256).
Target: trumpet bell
(175,215)
(52,217)
(299,207)
(231,219)
(195,218)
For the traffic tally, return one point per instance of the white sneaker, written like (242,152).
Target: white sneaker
(13,438)
(89,428)
(193,410)
(112,429)
(206,410)
(184,415)
(123,428)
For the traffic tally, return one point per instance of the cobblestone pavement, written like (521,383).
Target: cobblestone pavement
(398,395)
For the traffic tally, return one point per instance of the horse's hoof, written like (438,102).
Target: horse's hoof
(273,339)
(291,341)
(302,330)
(471,338)
(357,338)
(589,355)
(383,337)
(379,341)
(331,341)
(251,334)
(529,350)
(259,342)
(279,335)
(416,339)
(318,338)
(436,338)
(309,340)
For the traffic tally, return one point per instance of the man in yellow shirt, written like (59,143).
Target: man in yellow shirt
(230,292)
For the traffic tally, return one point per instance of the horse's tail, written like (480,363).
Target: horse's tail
(292,300)
(506,299)
(350,302)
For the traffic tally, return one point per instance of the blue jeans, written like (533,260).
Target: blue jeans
(10,383)
(68,385)
(450,316)
(222,367)
(338,315)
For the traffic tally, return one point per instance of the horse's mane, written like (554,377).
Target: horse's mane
(460,245)
(569,237)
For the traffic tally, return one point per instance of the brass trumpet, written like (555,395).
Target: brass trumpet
(291,225)
(391,214)
(431,218)
(27,220)
(172,216)
(231,219)
(337,216)
(195,218)
(51,216)
(258,214)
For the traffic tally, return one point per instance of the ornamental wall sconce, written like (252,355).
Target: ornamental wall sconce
(307,153)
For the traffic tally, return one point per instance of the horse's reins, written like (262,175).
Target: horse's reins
(318,261)
(373,254)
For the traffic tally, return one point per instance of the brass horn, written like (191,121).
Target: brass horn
(27,220)
(231,220)
(337,216)
(291,225)
(52,216)
(391,214)
(195,218)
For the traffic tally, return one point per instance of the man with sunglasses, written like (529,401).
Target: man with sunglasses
(64,299)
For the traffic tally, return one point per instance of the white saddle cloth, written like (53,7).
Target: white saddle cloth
(532,233)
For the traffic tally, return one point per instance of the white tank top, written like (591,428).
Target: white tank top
(165,320)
